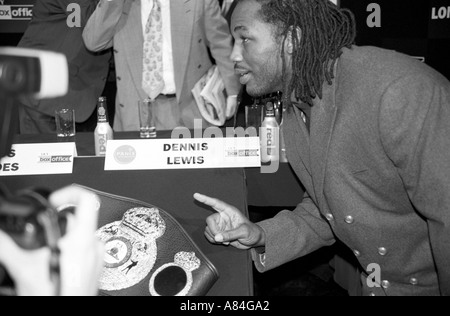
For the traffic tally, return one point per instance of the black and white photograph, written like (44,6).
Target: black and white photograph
(230,154)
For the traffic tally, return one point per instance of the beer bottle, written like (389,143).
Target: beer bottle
(103,131)
(270,146)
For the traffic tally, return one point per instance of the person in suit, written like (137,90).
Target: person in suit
(228,8)
(190,30)
(367,133)
(50,30)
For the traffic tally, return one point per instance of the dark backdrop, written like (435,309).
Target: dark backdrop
(408,26)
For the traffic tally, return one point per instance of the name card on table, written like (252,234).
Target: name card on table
(35,159)
(192,153)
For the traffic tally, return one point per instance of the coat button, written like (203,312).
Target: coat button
(349,219)
(116,51)
(119,78)
(414,281)
(121,105)
(357,253)
(329,217)
(385,284)
(382,251)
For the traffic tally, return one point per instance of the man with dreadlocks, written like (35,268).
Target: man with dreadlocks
(374,156)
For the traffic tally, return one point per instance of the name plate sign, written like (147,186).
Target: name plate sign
(38,159)
(192,153)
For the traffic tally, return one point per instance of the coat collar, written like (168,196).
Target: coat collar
(302,134)
(323,117)
(312,148)
(297,147)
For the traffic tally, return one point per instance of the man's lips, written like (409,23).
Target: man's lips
(241,71)
(244,75)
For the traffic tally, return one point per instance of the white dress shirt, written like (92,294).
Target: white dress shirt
(168,71)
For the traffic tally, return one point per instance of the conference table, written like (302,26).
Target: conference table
(279,189)
(172,191)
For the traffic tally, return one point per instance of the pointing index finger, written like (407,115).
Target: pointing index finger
(216,204)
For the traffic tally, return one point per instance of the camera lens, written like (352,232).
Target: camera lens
(12,75)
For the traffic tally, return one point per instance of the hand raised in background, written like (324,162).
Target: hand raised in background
(81,259)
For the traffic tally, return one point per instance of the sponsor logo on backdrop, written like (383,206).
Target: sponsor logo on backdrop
(439,19)
(16,12)
(24,12)
(440,13)
(374,18)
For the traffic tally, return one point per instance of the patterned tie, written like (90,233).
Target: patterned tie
(152,77)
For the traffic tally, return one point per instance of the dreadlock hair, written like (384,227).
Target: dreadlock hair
(325,30)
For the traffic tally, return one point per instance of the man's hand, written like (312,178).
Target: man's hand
(29,269)
(81,257)
(82,253)
(230,226)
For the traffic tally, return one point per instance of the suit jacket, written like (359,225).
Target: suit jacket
(88,72)
(376,168)
(196,25)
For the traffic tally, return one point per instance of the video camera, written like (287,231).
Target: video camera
(27,73)
(26,216)
(29,220)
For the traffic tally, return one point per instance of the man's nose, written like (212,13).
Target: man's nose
(236,54)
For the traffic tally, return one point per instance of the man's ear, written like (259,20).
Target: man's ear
(290,43)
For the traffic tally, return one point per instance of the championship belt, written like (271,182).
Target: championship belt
(148,252)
